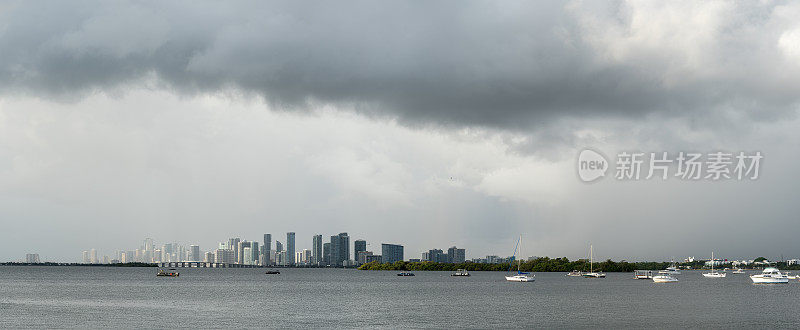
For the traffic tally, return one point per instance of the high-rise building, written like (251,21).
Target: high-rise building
(255,251)
(435,255)
(194,253)
(233,244)
(267,250)
(209,257)
(32,258)
(340,249)
(224,256)
(247,255)
(85,257)
(93,256)
(326,254)
(359,245)
(290,248)
(242,259)
(391,252)
(316,250)
(456,255)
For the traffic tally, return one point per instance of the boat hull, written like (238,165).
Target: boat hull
(714,275)
(664,279)
(519,278)
(769,280)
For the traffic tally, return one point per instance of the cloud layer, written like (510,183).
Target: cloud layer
(498,64)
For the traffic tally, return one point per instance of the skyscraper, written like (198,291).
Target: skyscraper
(359,245)
(267,250)
(326,254)
(391,252)
(340,249)
(290,248)
(93,256)
(255,252)
(316,250)
(194,253)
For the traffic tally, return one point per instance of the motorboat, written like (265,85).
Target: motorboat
(738,271)
(664,278)
(272,272)
(672,269)
(405,274)
(714,274)
(520,276)
(792,277)
(575,273)
(169,273)
(460,272)
(592,273)
(769,275)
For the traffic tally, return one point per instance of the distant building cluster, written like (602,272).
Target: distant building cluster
(32,258)
(454,255)
(335,251)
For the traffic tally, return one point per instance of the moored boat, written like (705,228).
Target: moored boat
(460,272)
(664,278)
(170,273)
(714,274)
(405,274)
(575,273)
(770,275)
(520,276)
(272,272)
(592,273)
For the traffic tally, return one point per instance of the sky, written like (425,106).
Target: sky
(427,124)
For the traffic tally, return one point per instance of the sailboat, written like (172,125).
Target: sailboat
(714,274)
(592,273)
(520,276)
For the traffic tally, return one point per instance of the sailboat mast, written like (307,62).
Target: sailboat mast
(712,261)
(591,259)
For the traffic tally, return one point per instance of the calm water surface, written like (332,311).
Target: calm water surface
(58,297)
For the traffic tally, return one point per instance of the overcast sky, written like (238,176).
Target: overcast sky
(428,124)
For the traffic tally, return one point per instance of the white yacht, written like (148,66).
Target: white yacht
(672,269)
(664,278)
(738,271)
(714,274)
(792,277)
(770,275)
(520,276)
(592,273)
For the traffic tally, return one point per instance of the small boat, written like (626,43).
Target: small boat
(272,272)
(592,273)
(460,272)
(672,269)
(769,275)
(575,273)
(520,276)
(664,278)
(642,274)
(170,273)
(792,277)
(405,274)
(738,271)
(714,274)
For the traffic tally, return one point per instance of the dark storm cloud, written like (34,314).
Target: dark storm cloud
(500,64)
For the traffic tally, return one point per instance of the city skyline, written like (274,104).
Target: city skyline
(433,126)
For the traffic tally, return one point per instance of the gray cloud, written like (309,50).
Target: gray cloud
(509,65)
